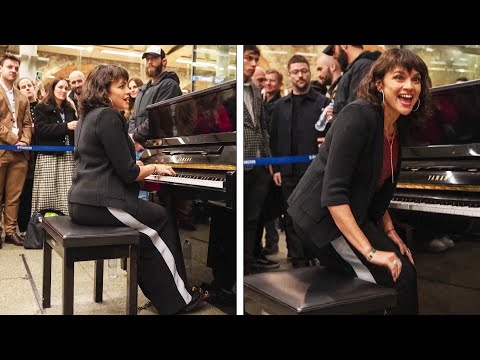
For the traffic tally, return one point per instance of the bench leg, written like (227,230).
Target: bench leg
(98,281)
(68,276)
(132,291)
(47,275)
(124,264)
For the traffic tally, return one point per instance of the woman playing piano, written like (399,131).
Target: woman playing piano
(339,207)
(105,190)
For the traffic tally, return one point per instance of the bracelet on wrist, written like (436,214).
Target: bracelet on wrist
(389,230)
(371,253)
(155,172)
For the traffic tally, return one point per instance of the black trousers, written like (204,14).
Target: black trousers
(161,273)
(256,185)
(294,243)
(25,207)
(341,256)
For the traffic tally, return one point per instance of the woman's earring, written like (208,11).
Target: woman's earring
(383,97)
(418,105)
(111,102)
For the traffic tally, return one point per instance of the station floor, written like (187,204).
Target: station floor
(21,287)
(447,282)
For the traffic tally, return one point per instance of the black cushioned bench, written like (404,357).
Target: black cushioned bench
(81,243)
(314,291)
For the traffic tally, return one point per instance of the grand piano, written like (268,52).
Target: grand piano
(195,134)
(441,159)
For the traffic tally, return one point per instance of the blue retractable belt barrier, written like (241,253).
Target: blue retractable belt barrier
(37,148)
(279,160)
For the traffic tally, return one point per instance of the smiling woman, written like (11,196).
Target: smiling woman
(55,121)
(338,208)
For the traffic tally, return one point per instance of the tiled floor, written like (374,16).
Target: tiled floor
(20,292)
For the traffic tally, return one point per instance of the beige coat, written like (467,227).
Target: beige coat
(24,120)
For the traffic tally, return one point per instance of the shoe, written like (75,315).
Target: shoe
(262,262)
(270,250)
(14,239)
(197,300)
(447,241)
(435,245)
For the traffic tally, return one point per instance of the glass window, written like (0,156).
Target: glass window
(447,63)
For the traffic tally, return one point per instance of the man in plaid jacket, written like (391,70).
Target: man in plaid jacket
(257,179)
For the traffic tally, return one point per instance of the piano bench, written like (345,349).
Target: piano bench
(81,243)
(314,291)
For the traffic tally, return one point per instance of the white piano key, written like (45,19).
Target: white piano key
(188,181)
(436,208)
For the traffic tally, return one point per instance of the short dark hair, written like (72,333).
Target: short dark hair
(297,59)
(95,89)
(8,56)
(253,48)
(390,59)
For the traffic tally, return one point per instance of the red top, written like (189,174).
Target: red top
(386,174)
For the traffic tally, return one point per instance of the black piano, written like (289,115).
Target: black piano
(439,194)
(441,159)
(195,134)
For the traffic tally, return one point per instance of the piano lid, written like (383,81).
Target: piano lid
(453,131)
(203,112)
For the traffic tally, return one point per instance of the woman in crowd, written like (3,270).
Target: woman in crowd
(27,87)
(339,207)
(105,190)
(133,84)
(55,122)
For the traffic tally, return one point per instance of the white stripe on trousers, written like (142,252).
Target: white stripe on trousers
(343,249)
(133,223)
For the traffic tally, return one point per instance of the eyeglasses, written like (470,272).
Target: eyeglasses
(303,71)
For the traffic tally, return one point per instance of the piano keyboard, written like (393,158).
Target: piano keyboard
(436,208)
(186,179)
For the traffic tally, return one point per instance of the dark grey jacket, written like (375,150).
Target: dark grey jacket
(304,132)
(347,86)
(255,135)
(166,87)
(105,162)
(345,171)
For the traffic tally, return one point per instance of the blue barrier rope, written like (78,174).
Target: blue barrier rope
(37,148)
(281,160)
(247,162)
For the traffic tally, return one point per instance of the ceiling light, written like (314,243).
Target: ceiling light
(198,63)
(306,54)
(122,53)
(75,47)
(277,52)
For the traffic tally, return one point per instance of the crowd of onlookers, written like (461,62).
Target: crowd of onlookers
(46,115)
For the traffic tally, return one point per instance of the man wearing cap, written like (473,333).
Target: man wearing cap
(355,63)
(162,86)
